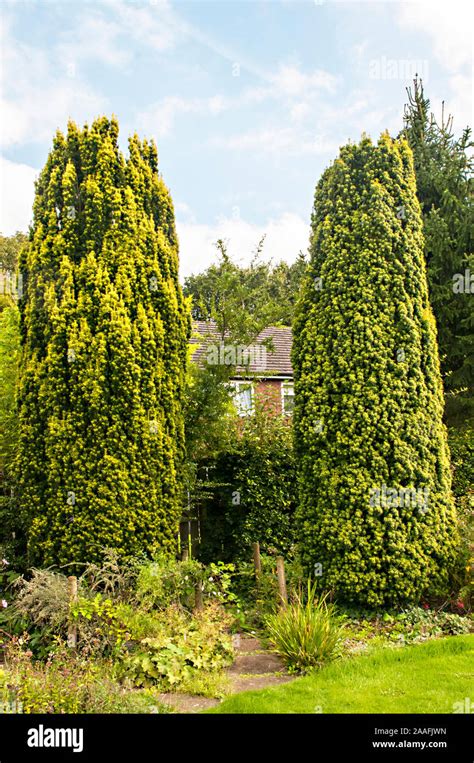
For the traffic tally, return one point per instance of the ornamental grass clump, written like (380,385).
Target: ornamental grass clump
(307,633)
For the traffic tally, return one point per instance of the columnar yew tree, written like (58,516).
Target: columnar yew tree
(376,515)
(104,342)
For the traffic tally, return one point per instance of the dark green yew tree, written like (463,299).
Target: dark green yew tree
(104,330)
(376,516)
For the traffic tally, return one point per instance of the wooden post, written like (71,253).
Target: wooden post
(184,554)
(198,603)
(283,596)
(72,630)
(257,562)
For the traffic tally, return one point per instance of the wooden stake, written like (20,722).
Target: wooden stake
(198,602)
(257,562)
(283,596)
(72,630)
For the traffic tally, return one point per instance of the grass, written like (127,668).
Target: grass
(308,632)
(424,678)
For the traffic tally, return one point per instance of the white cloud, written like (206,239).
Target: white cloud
(300,111)
(37,96)
(284,238)
(290,81)
(299,93)
(16,196)
(94,39)
(278,140)
(448,24)
(458,102)
(159,118)
(155,25)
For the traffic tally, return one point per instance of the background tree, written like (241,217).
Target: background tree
(10,247)
(238,303)
(9,357)
(369,398)
(265,292)
(254,493)
(443,167)
(104,330)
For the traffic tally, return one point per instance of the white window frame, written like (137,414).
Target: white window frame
(236,386)
(284,386)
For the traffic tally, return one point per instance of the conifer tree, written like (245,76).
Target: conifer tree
(376,517)
(445,184)
(104,330)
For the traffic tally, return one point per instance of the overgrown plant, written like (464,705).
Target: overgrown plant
(67,682)
(183,647)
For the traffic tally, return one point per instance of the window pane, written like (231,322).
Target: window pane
(288,398)
(243,399)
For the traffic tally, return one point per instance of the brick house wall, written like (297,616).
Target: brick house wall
(274,362)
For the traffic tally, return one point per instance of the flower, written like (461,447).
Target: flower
(4,603)
(5,562)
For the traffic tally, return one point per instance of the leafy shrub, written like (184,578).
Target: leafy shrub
(306,633)
(412,625)
(418,624)
(100,629)
(42,609)
(253,493)
(115,575)
(165,582)
(67,683)
(461,443)
(43,599)
(184,646)
(217,582)
(148,628)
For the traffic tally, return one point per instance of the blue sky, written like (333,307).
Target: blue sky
(248,101)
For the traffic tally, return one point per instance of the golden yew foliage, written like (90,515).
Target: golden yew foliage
(369,397)
(104,342)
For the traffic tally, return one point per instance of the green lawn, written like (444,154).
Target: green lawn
(425,678)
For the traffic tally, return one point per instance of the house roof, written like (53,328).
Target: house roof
(258,359)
